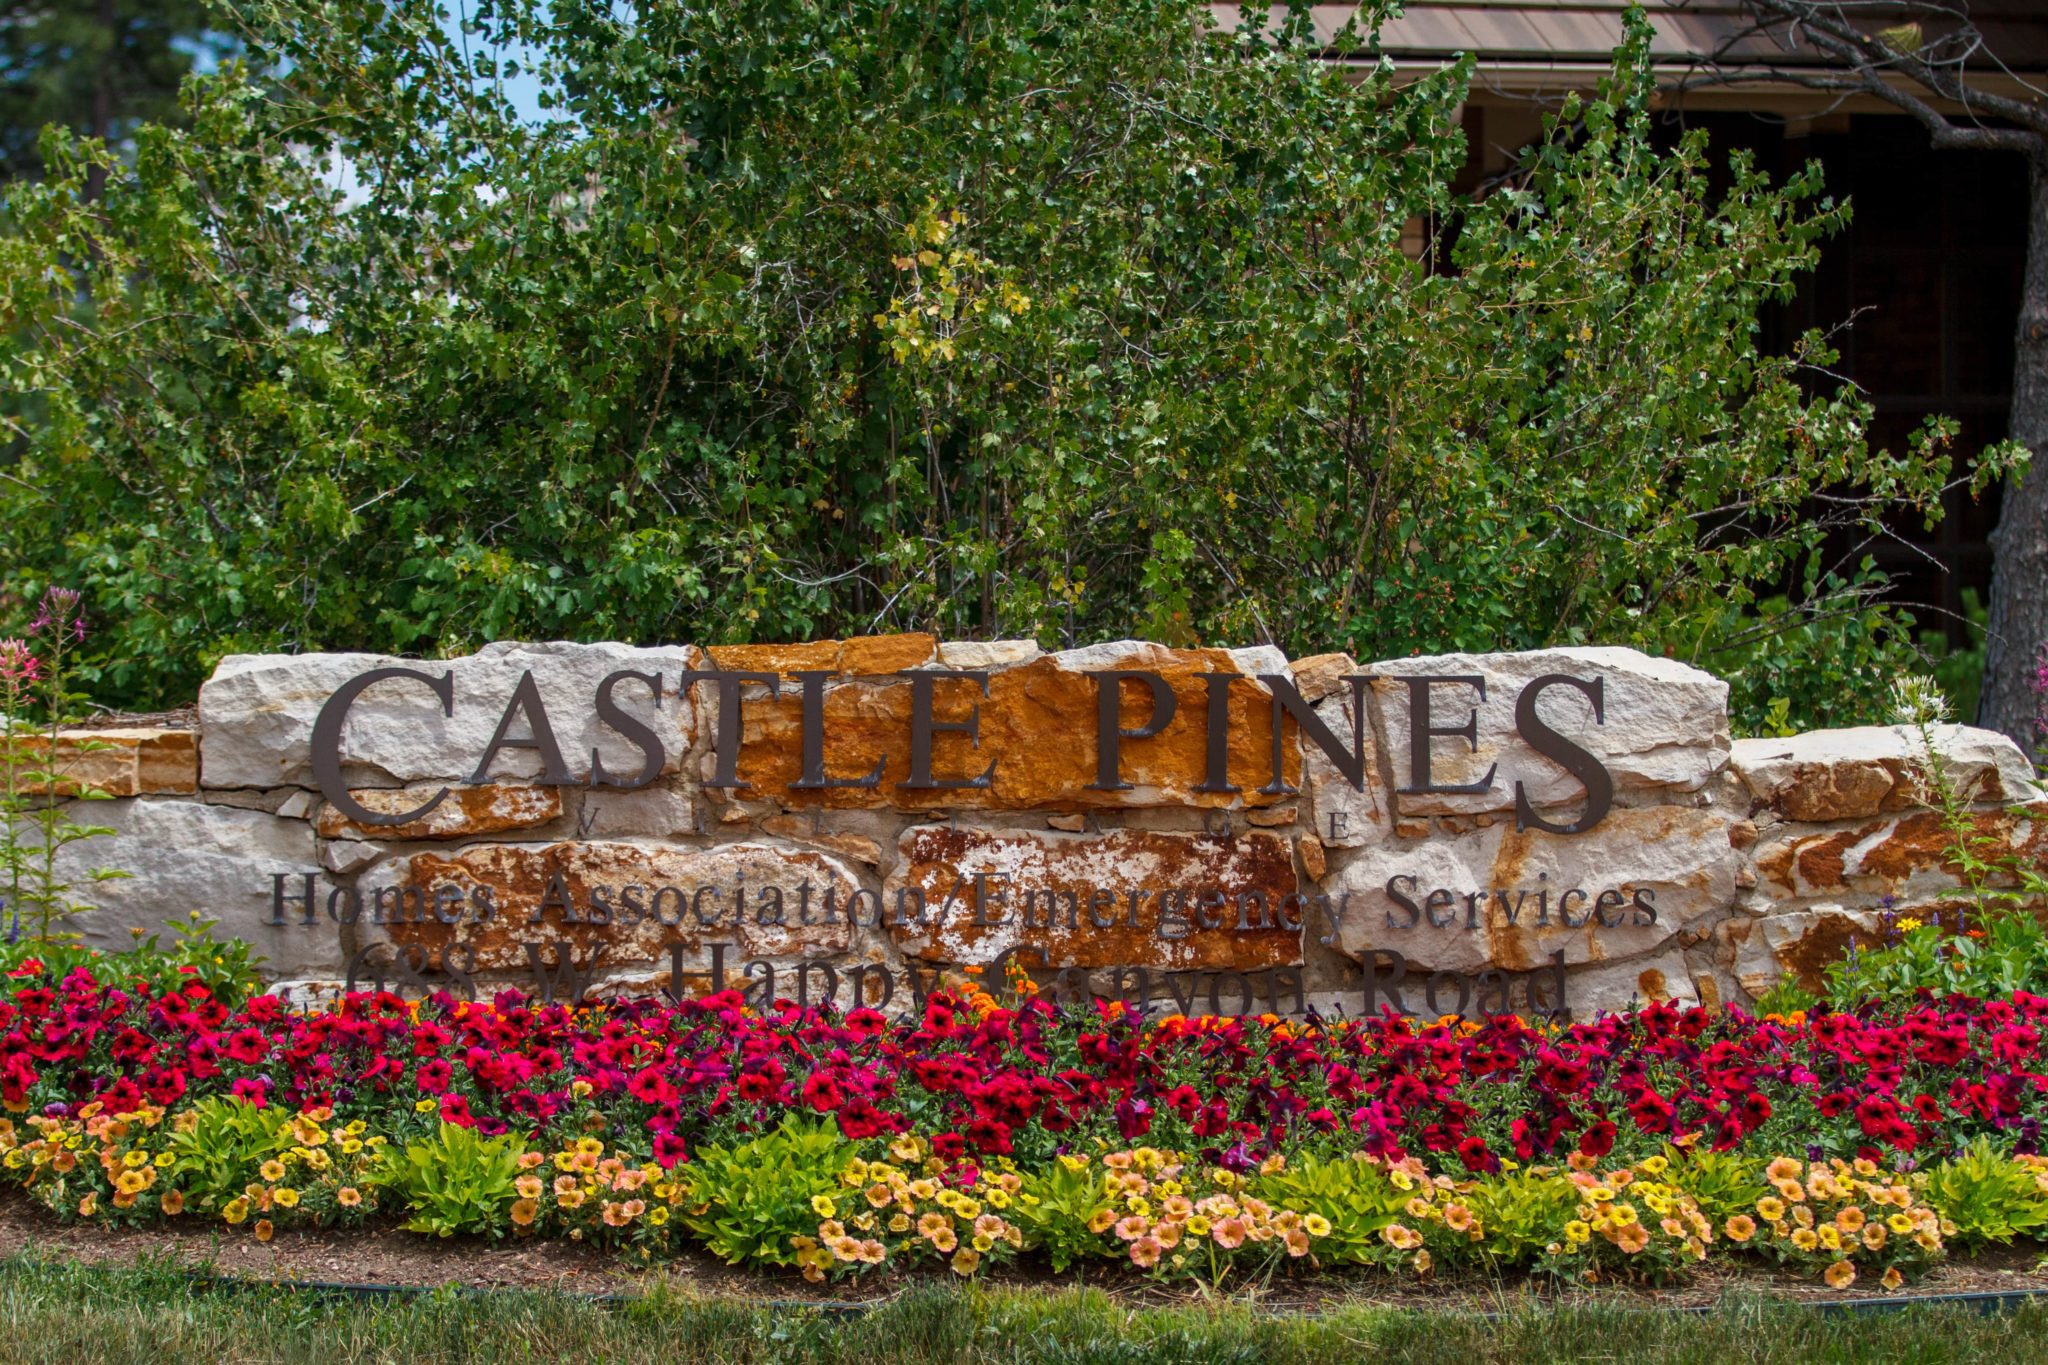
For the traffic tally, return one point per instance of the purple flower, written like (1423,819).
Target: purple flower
(59,614)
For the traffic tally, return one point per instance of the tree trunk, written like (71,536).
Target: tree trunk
(2019,582)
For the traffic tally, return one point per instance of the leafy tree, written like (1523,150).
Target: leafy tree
(1929,60)
(985,316)
(99,68)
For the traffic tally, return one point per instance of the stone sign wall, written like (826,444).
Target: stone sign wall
(1210,830)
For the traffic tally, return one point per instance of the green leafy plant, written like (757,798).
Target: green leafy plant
(1989,1195)
(219,1145)
(750,1201)
(1785,997)
(36,791)
(1356,1197)
(1524,1214)
(455,1181)
(1062,1210)
(1722,1184)
(226,967)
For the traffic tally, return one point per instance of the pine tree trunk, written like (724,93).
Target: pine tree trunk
(2019,584)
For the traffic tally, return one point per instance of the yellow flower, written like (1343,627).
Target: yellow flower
(1315,1223)
(236,1209)
(286,1196)
(823,1206)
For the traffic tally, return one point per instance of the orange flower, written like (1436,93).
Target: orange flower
(1840,1275)
(263,1229)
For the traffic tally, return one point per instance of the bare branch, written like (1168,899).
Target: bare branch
(1879,63)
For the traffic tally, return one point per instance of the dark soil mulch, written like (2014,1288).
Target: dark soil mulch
(386,1256)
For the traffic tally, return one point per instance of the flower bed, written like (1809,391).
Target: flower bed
(1849,1145)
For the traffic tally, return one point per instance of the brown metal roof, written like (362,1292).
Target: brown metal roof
(1572,38)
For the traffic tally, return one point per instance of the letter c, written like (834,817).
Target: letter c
(327,742)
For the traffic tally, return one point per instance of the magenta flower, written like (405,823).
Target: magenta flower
(18,665)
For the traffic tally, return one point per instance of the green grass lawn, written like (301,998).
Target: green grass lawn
(58,1311)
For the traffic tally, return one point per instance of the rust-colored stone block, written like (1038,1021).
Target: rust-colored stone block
(864,654)
(1124,897)
(1038,725)
(465,812)
(634,900)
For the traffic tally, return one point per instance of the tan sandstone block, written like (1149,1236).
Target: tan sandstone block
(125,761)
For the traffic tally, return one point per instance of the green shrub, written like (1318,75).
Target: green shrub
(1990,1196)
(455,1181)
(1357,1198)
(1722,1184)
(749,1201)
(1058,1210)
(221,1143)
(968,316)
(1524,1213)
